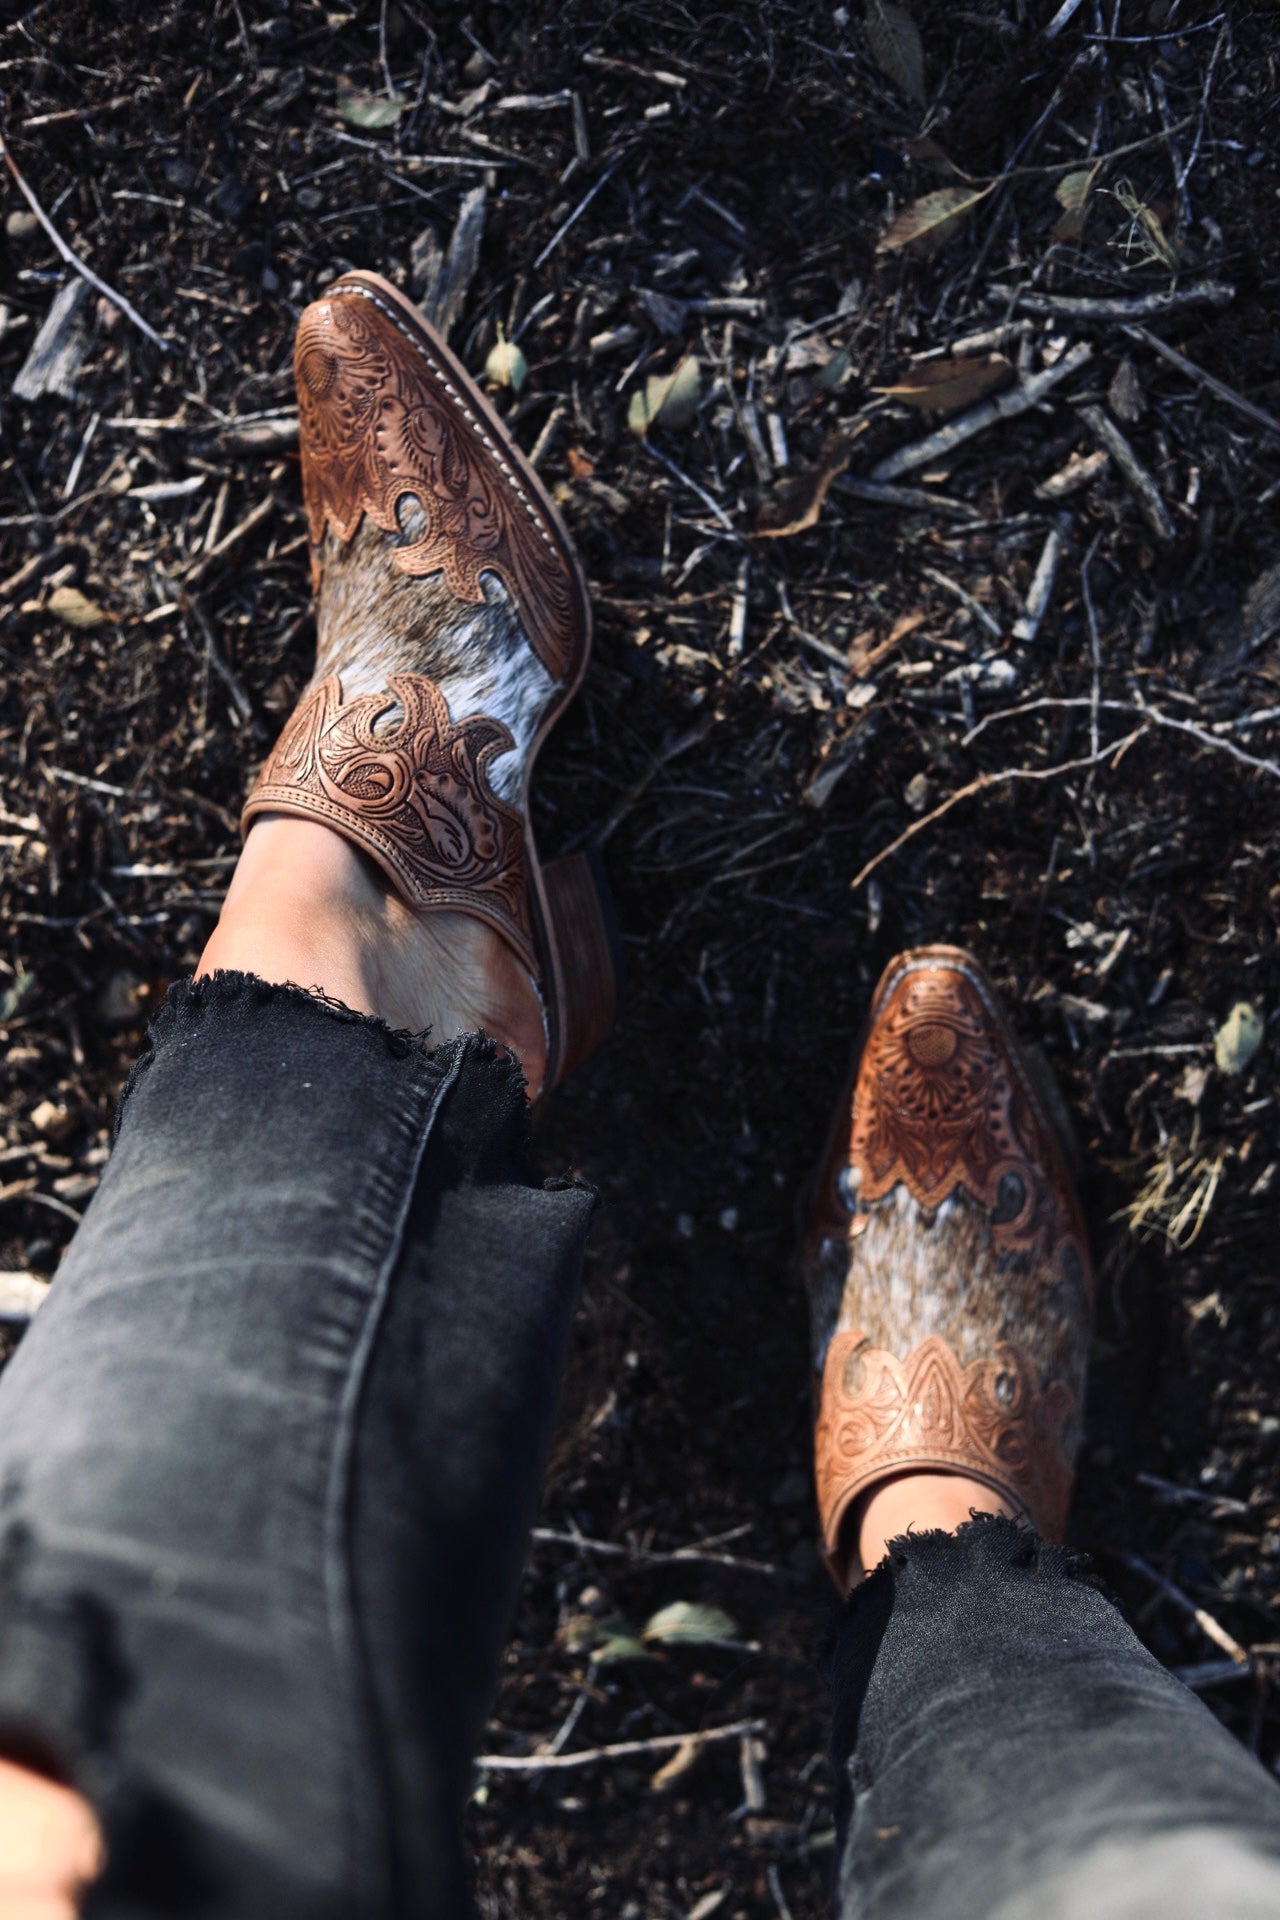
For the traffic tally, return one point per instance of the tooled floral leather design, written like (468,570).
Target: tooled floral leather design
(413,792)
(380,417)
(941,1106)
(940,1103)
(991,1420)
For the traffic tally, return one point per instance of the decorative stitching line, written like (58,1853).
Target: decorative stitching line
(460,401)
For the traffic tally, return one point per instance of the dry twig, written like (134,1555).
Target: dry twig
(1145,491)
(1228,395)
(1143,306)
(72,259)
(239,532)
(1005,406)
(620,1750)
(1132,709)
(1027,625)
(984,781)
(1205,1621)
(643,1556)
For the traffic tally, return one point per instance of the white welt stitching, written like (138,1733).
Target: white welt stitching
(460,401)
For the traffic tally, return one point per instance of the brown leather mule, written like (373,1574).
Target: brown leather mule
(946,1259)
(453,630)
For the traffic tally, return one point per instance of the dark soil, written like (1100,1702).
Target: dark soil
(747,160)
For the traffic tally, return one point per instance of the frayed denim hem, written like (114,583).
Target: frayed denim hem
(227,988)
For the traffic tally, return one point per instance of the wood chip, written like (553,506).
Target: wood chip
(1143,487)
(446,299)
(1080,469)
(59,349)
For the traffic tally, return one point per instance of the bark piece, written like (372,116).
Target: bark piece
(58,350)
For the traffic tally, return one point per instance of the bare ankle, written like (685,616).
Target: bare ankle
(911,1502)
(306,907)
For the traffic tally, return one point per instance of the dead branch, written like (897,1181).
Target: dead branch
(1133,709)
(217,659)
(1145,306)
(620,1750)
(278,435)
(636,792)
(1205,1621)
(1144,489)
(966,599)
(57,353)
(73,259)
(1066,12)
(239,532)
(580,209)
(1005,406)
(916,499)
(443,303)
(1228,395)
(984,781)
(641,1556)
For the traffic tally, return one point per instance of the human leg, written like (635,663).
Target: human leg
(268,1452)
(294,1362)
(1004,1749)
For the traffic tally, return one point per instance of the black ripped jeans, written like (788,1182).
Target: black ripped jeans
(267,1459)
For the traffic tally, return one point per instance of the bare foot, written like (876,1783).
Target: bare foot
(912,1502)
(50,1846)
(306,907)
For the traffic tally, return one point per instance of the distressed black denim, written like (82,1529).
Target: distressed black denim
(268,1456)
(1005,1749)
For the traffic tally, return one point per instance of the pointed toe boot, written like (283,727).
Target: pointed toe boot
(946,1261)
(453,628)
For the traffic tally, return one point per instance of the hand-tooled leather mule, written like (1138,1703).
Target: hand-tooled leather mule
(453,629)
(946,1259)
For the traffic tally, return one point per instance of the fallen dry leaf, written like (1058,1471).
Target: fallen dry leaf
(927,224)
(795,503)
(76,608)
(943,386)
(925,151)
(894,40)
(1072,195)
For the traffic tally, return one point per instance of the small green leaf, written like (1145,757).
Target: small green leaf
(685,1621)
(14,997)
(369,111)
(835,373)
(506,366)
(668,399)
(1072,195)
(623,1646)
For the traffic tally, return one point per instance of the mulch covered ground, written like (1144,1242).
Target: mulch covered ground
(946,606)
